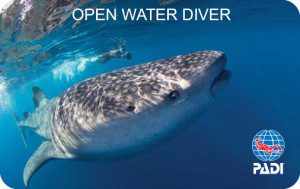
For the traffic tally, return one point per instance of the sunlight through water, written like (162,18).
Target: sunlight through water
(4,97)
(68,69)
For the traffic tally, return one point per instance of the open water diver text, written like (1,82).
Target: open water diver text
(153,14)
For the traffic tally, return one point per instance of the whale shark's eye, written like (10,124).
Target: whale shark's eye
(174,95)
(130,108)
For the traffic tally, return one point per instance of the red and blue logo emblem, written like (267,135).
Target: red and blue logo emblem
(268,145)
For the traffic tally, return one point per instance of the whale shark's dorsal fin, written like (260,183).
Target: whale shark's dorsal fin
(38,96)
(44,153)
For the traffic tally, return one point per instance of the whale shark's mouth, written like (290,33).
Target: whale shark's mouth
(220,82)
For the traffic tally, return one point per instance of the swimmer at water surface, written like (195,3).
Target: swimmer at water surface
(115,53)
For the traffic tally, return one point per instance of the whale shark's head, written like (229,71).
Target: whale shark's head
(170,90)
(148,103)
(191,80)
(186,82)
(125,107)
(202,72)
(185,85)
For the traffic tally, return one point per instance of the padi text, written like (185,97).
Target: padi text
(267,169)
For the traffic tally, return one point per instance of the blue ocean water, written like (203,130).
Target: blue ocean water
(262,45)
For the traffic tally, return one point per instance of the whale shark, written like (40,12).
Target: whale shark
(124,112)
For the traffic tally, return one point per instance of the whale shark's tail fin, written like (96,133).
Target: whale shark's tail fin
(39,97)
(21,129)
(44,153)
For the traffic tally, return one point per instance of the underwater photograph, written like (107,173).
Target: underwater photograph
(149,94)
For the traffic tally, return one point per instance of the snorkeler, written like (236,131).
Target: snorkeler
(117,53)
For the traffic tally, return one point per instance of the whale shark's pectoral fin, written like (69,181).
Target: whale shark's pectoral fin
(44,153)
(39,96)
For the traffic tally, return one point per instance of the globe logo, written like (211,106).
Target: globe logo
(268,145)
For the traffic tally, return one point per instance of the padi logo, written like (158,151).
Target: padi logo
(268,146)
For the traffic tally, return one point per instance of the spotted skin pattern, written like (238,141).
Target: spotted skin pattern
(96,101)
(125,112)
